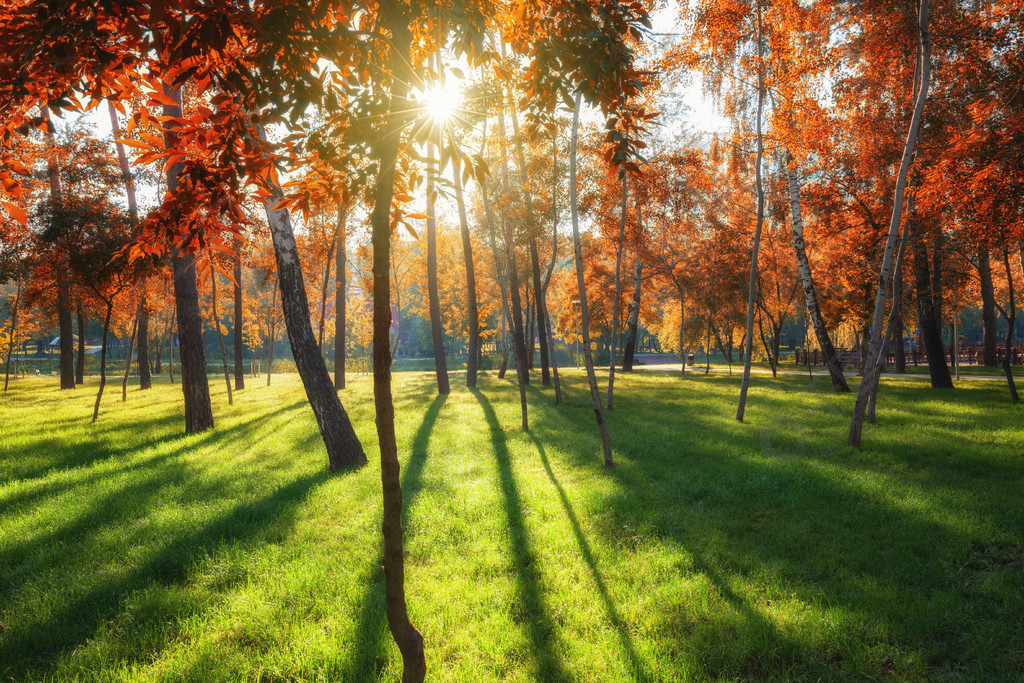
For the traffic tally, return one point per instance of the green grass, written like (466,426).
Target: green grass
(713,550)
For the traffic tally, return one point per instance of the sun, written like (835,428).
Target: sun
(442,100)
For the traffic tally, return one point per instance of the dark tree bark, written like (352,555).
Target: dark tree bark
(434,301)
(633,325)
(14,331)
(145,374)
(340,283)
(1010,316)
(239,345)
(408,639)
(343,447)
(171,327)
(80,365)
(901,357)
(191,346)
(328,259)
(128,360)
(831,358)
(931,331)
(472,314)
(518,340)
(216,329)
(988,309)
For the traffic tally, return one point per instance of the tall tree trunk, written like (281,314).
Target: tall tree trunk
(239,321)
(434,303)
(885,273)
(103,362)
(340,284)
(541,315)
(988,308)
(272,330)
(128,360)
(67,344)
(633,326)
(682,317)
(500,271)
(473,317)
(191,346)
(408,639)
(1011,317)
(14,330)
(518,341)
(343,447)
(80,365)
(551,269)
(831,358)
(145,373)
(901,358)
(618,293)
(931,333)
(330,256)
(755,248)
(897,294)
(595,394)
(216,329)
(172,326)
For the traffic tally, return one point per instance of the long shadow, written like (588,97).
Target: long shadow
(369,652)
(532,613)
(613,614)
(35,647)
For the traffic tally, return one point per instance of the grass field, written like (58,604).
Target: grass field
(714,550)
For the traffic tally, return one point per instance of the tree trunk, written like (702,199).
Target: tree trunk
(540,316)
(682,317)
(618,293)
(103,362)
(328,258)
(343,447)
(436,329)
(595,394)
(216,329)
(473,317)
(857,421)
(633,326)
(897,294)
(1011,317)
(192,349)
(518,341)
(340,284)
(988,308)
(80,365)
(171,327)
(745,385)
(145,373)
(14,330)
(550,270)
(272,330)
(408,639)
(901,358)
(128,360)
(239,321)
(831,358)
(931,332)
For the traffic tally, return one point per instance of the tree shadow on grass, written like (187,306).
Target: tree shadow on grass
(639,670)
(369,651)
(532,611)
(33,647)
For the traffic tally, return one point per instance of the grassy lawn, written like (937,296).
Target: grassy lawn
(714,550)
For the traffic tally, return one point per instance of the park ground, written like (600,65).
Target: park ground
(713,550)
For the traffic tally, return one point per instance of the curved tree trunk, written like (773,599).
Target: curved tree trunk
(473,317)
(340,283)
(343,447)
(191,346)
(103,362)
(831,358)
(595,394)
(872,367)
(408,639)
(752,293)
